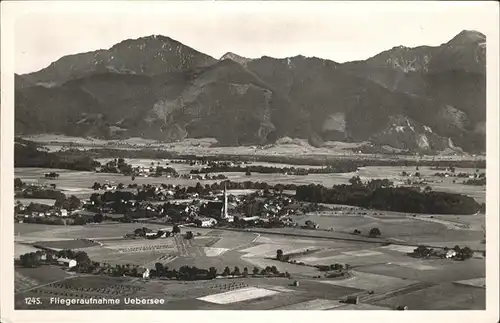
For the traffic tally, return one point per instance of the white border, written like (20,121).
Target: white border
(11,10)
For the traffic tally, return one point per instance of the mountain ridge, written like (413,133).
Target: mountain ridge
(156,87)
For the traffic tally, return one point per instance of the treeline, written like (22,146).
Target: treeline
(28,154)
(475,181)
(54,220)
(347,168)
(38,258)
(117,166)
(40,193)
(86,265)
(459,253)
(399,199)
(194,273)
(184,272)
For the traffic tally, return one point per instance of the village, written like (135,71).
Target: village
(200,206)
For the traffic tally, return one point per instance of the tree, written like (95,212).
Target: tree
(95,198)
(82,259)
(139,232)
(176,229)
(160,269)
(355,181)
(274,270)
(279,254)
(245,271)
(422,251)
(74,203)
(375,232)
(212,272)
(98,218)
(18,183)
(255,270)
(248,173)
(466,253)
(427,189)
(50,257)
(96,186)
(236,271)
(226,271)
(189,235)
(30,260)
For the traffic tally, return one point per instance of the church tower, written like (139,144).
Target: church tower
(224,208)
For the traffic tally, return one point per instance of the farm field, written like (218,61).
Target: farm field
(441,297)
(56,232)
(27,201)
(393,275)
(431,270)
(21,249)
(403,227)
(66,244)
(26,278)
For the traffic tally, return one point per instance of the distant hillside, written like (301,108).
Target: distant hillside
(147,55)
(452,76)
(418,99)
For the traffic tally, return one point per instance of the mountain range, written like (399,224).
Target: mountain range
(415,99)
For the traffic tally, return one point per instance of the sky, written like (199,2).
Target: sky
(44,32)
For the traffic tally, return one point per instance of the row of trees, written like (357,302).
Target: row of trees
(333,267)
(73,220)
(400,199)
(38,258)
(184,272)
(71,203)
(194,273)
(427,252)
(373,233)
(29,154)
(476,181)
(344,168)
(142,232)
(52,175)
(41,193)
(117,166)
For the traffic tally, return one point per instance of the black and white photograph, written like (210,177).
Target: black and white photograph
(250,156)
